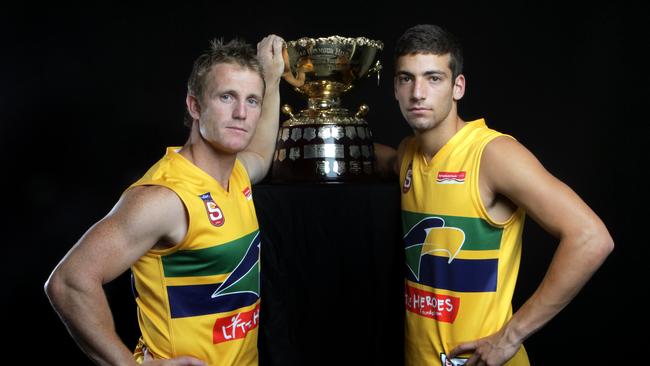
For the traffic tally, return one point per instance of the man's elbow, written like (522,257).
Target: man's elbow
(600,243)
(606,244)
(54,287)
(62,285)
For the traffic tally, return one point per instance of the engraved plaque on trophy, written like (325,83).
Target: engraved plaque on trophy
(325,143)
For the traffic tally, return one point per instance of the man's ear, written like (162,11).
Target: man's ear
(459,87)
(193,106)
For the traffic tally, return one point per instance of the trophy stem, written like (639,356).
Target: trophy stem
(323,103)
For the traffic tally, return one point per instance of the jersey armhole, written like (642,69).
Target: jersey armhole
(183,243)
(476,193)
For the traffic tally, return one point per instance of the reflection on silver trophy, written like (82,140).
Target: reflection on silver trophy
(325,142)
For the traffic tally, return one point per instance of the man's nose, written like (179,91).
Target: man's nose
(240,111)
(418,92)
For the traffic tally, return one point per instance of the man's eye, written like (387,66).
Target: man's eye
(225,97)
(254,101)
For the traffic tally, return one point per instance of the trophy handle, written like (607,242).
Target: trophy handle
(363,110)
(377,68)
(286,109)
(297,80)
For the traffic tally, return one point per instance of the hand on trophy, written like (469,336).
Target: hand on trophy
(304,65)
(267,50)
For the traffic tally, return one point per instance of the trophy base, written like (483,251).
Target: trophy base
(321,171)
(324,153)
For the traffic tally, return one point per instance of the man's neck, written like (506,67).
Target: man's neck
(432,140)
(217,164)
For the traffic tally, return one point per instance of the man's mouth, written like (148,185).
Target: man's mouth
(239,129)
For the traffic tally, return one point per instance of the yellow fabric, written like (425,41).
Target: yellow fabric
(201,297)
(461,265)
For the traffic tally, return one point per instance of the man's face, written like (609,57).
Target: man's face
(230,107)
(425,90)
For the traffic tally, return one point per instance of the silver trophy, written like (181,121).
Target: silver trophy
(325,142)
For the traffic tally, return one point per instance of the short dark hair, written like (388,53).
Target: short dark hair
(431,39)
(236,51)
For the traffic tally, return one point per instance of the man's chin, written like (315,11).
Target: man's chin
(420,125)
(237,147)
(233,147)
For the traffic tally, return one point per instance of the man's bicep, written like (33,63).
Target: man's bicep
(104,252)
(254,165)
(388,159)
(136,223)
(514,172)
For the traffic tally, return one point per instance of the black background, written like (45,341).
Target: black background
(91,94)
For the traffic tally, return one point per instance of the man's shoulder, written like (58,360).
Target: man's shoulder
(505,158)
(500,143)
(402,148)
(404,145)
(151,200)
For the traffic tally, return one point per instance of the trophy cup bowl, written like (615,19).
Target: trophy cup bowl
(326,143)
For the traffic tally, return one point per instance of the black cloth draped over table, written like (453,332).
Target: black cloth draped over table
(332,274)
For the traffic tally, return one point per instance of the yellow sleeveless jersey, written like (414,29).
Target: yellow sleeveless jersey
(461,266)
(201,297)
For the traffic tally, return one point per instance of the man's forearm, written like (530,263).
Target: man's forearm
(574,262)
(87,316)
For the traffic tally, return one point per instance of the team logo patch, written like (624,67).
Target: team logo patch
(450,178)
(430,236)
(245,277)
(236,326)
(215,215)
(240,289)
(247,193)
(243,282)
(408,180)
(442,308)
(432,249)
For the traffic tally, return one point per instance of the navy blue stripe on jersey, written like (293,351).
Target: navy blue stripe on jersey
(461,275)
(197,300)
